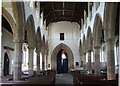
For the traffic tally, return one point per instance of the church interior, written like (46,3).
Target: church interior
(48,42)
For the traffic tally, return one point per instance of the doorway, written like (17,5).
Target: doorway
(6,65)
(62,62)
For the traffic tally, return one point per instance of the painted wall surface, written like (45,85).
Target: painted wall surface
(7,40)
(71,36)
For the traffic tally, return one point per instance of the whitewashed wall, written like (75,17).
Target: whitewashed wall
(71,36)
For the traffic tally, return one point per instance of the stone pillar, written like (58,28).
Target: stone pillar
(97,59)
(43,61)
(46,61)
(110,59)
(81,22)
(30,66)
(88,8)
(85,16)
(38,61)
(17,61)
(84,61)
(89,60)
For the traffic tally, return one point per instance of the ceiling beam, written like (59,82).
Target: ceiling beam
(53,9)
(64,17)
(73,10)
(63,8)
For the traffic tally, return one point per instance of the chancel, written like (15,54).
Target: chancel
(63,42)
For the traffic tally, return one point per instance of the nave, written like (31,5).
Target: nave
(59,36)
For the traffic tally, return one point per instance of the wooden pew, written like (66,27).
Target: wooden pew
(91,80)
(48,79)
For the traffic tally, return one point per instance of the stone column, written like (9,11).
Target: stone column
(85,16)
(110,59)
(30,66)
(89,60)
(43,61)
(17,61)
(97,59)
(84,61)
(46,61)
(38,61)
(88,8)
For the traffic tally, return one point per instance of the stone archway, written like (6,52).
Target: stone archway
(30,28)
(89,48)
(38,40)
(69,53)
(9,24)
(89,39)
(97,37)
(9,18)
(97,31)
(38,47)
(6,65)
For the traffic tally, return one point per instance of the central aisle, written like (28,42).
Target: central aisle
(64,79)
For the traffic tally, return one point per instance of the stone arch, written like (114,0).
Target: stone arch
(30,28)
(6,64)
(67,50)
(10,20)
(97,31)
(38,40)
(89,39)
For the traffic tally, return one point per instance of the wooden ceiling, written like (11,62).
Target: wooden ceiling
(63,11)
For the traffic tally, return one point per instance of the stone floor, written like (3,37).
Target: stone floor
(64,79)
